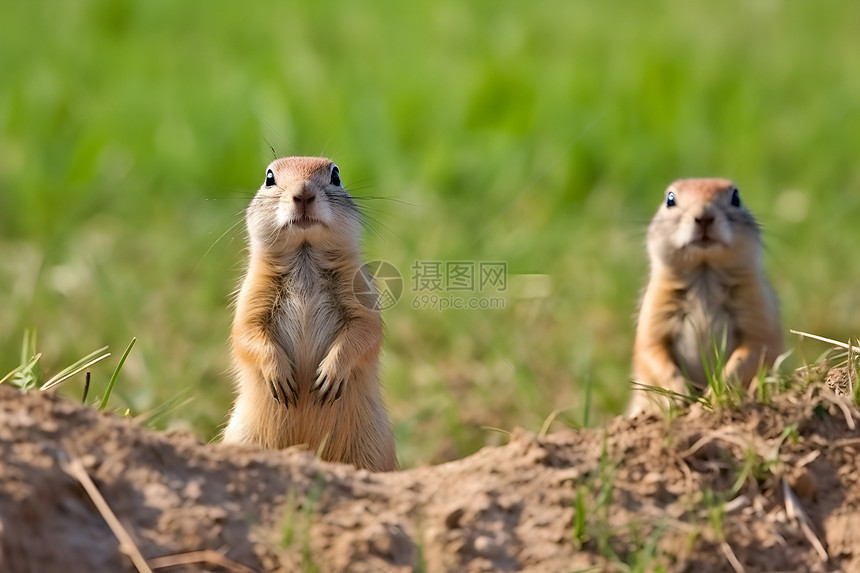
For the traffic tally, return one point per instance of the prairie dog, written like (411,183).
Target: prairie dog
(707,284)
(307,331)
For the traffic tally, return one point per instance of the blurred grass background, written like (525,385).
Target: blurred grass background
(132,135)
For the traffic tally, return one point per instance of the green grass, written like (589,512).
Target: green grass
(296,528)
(132,135)
(624,547)
(28,375)
(106,398)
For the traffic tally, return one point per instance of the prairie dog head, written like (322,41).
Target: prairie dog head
(302,201)
(703,222)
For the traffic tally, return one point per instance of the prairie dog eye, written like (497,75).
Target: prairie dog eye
(736,197)
(670,199)
(270,178)
(335,176)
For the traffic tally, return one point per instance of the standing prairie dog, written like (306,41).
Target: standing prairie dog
(707,285)
(307,331)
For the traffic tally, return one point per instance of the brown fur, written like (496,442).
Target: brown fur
(306,349)
(700,293)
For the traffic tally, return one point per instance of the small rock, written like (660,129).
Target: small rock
(489,547)
(193,490)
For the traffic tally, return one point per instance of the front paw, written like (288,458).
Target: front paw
(283,388)
(328,383)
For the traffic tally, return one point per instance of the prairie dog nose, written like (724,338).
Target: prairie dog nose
(305,197)
(705,220)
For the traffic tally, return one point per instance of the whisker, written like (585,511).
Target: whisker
(365,217)
(277,236)
(377,198)
(370,229)
(276,132)
(233,226)
(362,181)
(380,211)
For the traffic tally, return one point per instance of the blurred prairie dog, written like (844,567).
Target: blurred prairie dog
(307,331)
(707,284)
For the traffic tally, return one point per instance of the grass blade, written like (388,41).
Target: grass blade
(12,373)
(825,339)
(113,378)
(181,399)
(26,376)
(79,366)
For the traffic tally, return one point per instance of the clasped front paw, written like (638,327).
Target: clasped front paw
(328,384)
(284,390)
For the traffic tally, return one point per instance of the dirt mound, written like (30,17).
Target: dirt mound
(772,489)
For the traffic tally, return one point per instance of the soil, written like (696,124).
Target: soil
(760,487)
